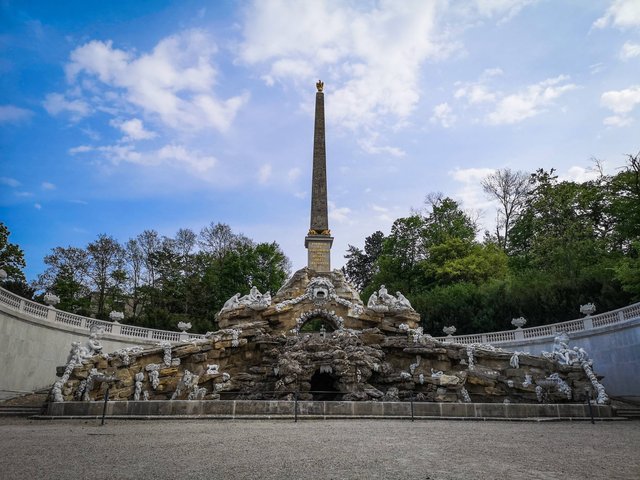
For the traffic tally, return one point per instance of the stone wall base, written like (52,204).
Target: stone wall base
(260,409)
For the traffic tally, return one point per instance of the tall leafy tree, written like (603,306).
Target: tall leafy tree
(106,271)
(12,262)
(66,275)
(362,265)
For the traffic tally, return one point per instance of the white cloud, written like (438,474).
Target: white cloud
(371,54)
(294,174)
(338,214)
(13,114)
(471,175)
(179,155)
(133,129)
(579,174)
(471,196)
(499,108)
(37,206)
(506,9)
(622,14)
(369,145)
(10,182)
(48,186)
(596,68)
(617,121)
(629,50)
(529,102)
(382,213)
(80,149)
(443,114)
(170,155)
(621,101)
(56,103)
(378,208)
(264,173)
(173,83)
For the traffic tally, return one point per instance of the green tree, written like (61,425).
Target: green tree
(361,265)
(12,262)
(11,256)
(106,271)
(66,275)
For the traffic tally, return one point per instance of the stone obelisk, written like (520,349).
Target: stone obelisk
(319,240)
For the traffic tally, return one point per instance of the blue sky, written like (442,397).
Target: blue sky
(116,117)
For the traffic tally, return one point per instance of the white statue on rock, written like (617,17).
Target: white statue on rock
(373,300)
(254,300)
(576,356)
(89,349)
(383,301)
(233,302)
(402,301)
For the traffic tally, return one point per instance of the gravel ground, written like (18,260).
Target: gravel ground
(340,449)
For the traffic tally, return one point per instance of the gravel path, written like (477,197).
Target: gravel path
(341,449)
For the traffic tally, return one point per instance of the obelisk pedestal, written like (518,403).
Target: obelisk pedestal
(319,240)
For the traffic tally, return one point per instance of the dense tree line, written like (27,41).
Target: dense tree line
(557,245)
(157,281)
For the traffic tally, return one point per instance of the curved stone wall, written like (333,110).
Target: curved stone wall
(34,339)
(612,340)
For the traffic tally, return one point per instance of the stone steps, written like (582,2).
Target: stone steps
(628,412)
(324,409)
(19,410)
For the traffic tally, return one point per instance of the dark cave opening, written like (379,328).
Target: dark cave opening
(323,386)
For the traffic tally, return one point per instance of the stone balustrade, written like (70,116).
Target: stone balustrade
(549,331)
(54,315)
(61,318)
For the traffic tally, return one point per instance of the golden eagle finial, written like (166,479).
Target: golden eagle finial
(320,85)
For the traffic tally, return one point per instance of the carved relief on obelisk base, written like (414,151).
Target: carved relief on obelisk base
(319,240)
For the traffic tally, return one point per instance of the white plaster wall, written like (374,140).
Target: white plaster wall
(615,351)
(30,351)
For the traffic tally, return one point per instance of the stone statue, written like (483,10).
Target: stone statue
(254,300)
(382,301)
(561,351)
(266,298)
(253,296)
(402,302)
(91,348)
(320,85)
(373,300)
(233,302)
(385,298)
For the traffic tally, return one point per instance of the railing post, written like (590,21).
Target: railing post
(21,306)
(518,334)
(116,328)
(484,338)
(51,314)
(588,323)
(621,315)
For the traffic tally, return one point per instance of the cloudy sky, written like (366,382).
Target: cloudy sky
(116,117)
